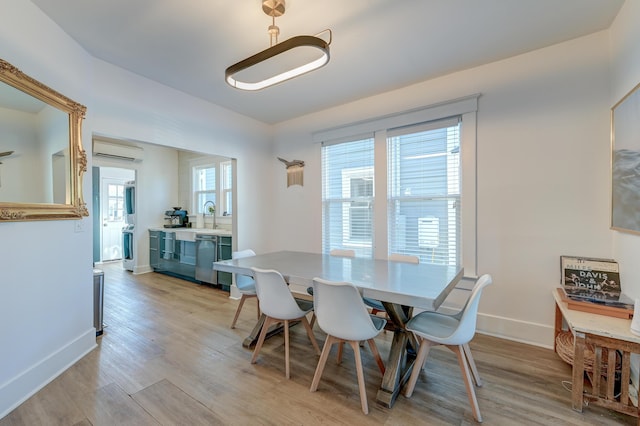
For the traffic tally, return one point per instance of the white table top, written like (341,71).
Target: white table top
(419,285)
(600,325)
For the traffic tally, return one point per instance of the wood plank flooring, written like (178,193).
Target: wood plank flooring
(168,357)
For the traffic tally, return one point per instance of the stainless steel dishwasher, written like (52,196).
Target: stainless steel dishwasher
(206,254)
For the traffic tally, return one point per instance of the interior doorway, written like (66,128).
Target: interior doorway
(112,216)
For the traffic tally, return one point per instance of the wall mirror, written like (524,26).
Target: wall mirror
(41,156)
(625,163)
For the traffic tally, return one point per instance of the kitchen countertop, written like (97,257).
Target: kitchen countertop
(189,234)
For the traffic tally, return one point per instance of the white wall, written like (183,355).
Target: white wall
(543,176)
(46,291)
(133,108)
(625,55)
(543,164)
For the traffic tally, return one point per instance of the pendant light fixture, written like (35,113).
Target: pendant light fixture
(282,61)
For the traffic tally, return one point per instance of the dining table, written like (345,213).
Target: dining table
(400,287)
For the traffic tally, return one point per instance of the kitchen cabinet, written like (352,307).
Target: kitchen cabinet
(154,249)
(224,253)
(170,256)
(179,257)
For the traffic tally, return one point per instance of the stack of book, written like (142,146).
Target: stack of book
(594,282)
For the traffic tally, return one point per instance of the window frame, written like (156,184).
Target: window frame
(226,188)
(435,200)
(195,193)
(466,108)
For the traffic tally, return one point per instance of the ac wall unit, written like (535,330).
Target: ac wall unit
(117,151)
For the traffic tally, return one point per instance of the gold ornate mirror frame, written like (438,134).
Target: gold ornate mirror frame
(14,211)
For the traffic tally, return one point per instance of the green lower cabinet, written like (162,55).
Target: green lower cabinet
(224,280)
(170,256)
(224,253)
(154,249)
(178,258)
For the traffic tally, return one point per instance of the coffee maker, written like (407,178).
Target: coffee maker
(176,218)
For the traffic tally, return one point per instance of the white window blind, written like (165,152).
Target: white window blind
(347,196)
(424,188)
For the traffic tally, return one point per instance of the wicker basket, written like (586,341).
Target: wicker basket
(564,348)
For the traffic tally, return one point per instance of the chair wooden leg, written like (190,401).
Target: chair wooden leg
(472,365)
(235,318)
(321,362)
(466,375)
(340,348)
(363,391)
(263,333)
(286,348)
(376,355)
(421,358)
(314,342)
(313,320)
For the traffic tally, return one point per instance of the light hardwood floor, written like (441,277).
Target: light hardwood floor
(168,357)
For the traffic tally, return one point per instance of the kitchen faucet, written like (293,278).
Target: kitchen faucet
(213,207)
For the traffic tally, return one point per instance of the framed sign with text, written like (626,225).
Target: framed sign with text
(590,277)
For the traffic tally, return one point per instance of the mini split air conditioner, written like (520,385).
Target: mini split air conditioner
(117,151)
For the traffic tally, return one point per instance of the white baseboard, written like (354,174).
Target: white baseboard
(505,328)
(20,388)
(142,269)
(518,331)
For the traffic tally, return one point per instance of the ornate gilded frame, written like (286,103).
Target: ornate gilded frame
(12,212)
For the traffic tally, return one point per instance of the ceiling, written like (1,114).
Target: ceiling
(377,45)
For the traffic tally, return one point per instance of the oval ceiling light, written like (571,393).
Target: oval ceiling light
(282,61)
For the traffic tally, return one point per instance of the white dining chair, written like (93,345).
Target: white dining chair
(278,305)
(336,253)
(376,305)
(245,284)
(341,314)
(454,332)
(342,253)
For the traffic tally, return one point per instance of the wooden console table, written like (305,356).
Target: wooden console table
(609,337)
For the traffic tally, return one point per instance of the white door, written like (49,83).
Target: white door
(112,214)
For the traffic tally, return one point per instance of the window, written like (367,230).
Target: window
(347,196)
(204,186)
(207,187)
(423,195)
(420,156)
(115,202)
(226,204)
